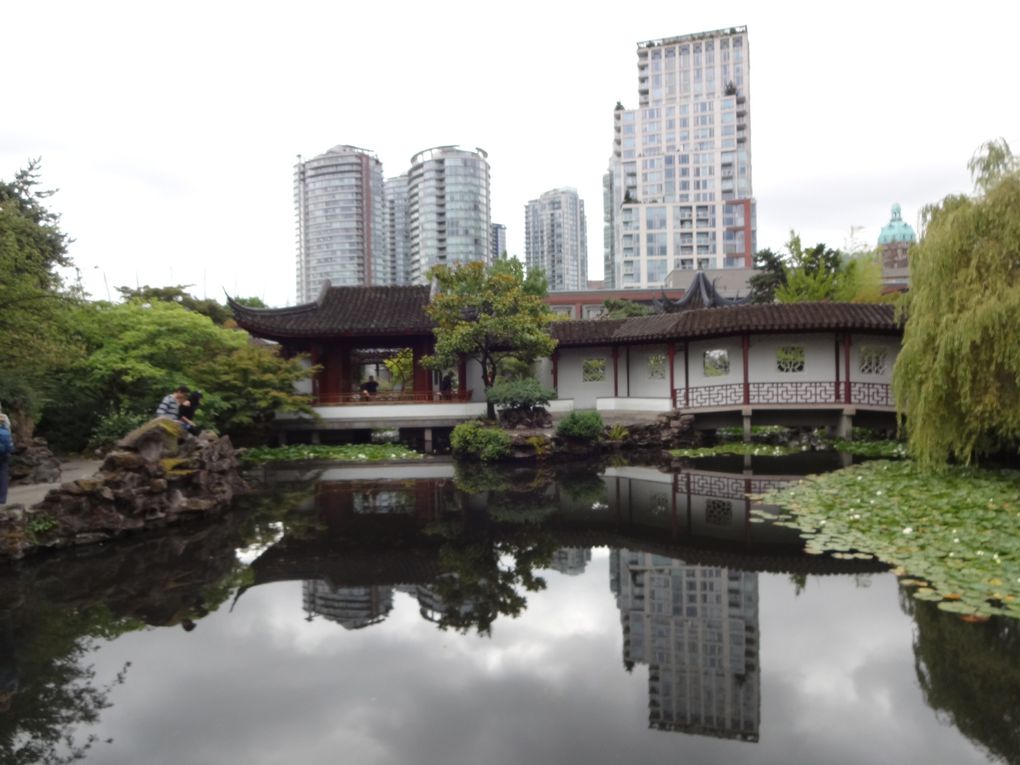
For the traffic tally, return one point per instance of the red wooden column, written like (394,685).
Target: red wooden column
(836,389)
(672,382)
(687,373)
(616,372)
(421,376)
(556,370)
(747,383)
(847,399)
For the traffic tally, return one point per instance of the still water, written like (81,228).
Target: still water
(435,614)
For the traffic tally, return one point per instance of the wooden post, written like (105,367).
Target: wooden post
(462,377)
(616,372)
(671,353)
(747,383)
(836,390)
(847,399)
(687,374)
(556,370)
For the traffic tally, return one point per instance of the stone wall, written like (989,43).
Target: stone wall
(155,475)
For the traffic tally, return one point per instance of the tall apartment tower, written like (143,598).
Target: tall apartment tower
(497,241)
(681,163)
(448,208)
(396,232)
(338,204)
(556,240)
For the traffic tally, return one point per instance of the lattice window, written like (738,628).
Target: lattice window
(717,363)
(719,512)
(790,358)
(593,370)
(874,359)
(657,366)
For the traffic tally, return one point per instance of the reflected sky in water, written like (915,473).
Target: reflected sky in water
(304,671)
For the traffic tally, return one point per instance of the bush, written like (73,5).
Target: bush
(473,439)
(520,394)
(113,426)
(585,426)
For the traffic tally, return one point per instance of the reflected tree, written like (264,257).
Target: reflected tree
(970,672)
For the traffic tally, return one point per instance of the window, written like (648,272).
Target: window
(790,359)
(717,363)
(873,359)
(718,512)
(593,370)
(657,366)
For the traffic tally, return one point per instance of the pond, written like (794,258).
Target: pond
(441,613)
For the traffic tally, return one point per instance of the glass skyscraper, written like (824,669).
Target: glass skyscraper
(556,239)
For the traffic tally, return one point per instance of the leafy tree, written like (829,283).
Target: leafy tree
(178,294)
(400,367)
(770,277)
(624,309)
(957,378)
(488,314)
(33,332)
(135,353)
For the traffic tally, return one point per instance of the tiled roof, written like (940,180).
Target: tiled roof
(343,311)
(710,322)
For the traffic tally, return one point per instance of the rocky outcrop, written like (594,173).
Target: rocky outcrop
(155,475)
(34,463)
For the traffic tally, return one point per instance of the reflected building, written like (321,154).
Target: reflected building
(351,607)
(696,628)
(571,561)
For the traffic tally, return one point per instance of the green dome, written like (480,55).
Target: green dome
(896,230)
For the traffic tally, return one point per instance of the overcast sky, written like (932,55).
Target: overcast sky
(171,131)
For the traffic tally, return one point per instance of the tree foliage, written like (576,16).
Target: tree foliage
(33,329)
(178,294)
(819,273)
(624,309)
(488,314)
(401,367)
(957,378)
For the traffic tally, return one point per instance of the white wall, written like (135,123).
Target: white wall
(474,380)
(570,378)
(819,358)
(642,384)
(892,346)
(696,369)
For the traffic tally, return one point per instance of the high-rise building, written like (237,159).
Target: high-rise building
(397,235)
(555,239)
(338,203)
(448,208)
(497,241)
(681,165)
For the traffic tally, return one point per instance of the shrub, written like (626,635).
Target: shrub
(473,439)
(525,394)
(113,426)
(618,433)
(585,426)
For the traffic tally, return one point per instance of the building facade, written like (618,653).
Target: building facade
(396,232)
(497,241)
(894,245)
(679,179)
(555,239)
(448,208)
(338,204)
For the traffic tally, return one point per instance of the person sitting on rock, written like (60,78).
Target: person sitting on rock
(170,406)
(188,408)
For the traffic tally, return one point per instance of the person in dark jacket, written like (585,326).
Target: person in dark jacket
(187,410)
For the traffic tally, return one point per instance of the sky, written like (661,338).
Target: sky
(171,132)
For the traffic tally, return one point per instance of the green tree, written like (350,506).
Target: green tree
(178,294)
(488,314)
(770,277)
(400,367)
(957,378)
(624,309)
(33,329)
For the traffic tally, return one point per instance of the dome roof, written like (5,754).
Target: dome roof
(896,230)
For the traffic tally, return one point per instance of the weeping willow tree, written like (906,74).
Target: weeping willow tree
(957,379)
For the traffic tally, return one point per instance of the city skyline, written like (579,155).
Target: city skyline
(180,171)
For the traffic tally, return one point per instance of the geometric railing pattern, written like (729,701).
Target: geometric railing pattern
(792,393)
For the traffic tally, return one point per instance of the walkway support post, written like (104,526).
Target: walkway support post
(616,371)
(672,382)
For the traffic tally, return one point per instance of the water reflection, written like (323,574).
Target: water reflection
(696,628)
(473,549)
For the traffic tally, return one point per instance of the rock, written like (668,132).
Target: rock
(34,463)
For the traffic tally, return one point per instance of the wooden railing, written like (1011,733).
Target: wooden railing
(782,393)
(392,397)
